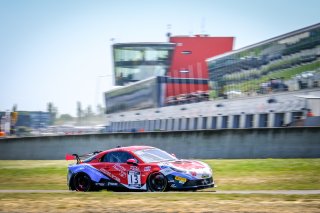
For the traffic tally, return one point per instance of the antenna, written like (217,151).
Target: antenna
(168,31)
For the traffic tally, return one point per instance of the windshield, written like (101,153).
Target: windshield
(154,155)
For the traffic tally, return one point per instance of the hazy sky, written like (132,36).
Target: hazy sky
(59,50)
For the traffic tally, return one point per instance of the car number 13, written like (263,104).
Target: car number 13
(134,179)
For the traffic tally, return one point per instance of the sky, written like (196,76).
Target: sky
(59,51)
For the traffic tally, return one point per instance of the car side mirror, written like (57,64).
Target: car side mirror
(173,155)
(132,161)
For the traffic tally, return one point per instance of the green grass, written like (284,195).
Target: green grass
(249,174)
(32,174)
(266,174)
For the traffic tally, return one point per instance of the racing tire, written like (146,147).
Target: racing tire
(157,182)
(82,182)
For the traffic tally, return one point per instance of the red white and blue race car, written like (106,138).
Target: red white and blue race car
(137,168)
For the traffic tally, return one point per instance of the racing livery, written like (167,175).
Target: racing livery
(137,168)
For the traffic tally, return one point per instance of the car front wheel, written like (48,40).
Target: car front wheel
(157,182)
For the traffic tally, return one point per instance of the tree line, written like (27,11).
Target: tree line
(83,114)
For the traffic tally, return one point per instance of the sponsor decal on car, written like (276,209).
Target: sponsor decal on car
(193,173)
(118,167)
(134,168)
(205,182)
(110,175)
(181,179)
(166,171)
(121,170)
(147,169)
(112,184)
(100,184)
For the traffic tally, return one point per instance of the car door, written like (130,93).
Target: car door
(129,172)
(114,164)
(106,164)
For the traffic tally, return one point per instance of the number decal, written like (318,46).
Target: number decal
(134,179)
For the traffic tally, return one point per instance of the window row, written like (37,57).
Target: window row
(214,122)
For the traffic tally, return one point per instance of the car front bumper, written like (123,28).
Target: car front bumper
(196,184)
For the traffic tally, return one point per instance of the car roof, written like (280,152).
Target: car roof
(129,148)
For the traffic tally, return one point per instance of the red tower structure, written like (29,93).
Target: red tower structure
(188,62)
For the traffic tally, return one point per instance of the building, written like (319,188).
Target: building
(161,74)
(288,62)
(34,119)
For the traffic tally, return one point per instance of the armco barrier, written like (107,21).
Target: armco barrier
(297,142)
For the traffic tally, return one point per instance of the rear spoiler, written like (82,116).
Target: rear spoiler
(73,157)
(77,157)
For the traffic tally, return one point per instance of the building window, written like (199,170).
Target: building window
(187,123)
(249,121)
(180,124)
(136,62)
(279,120)
(236,121)
(263,120)
(195,123)
(172,124)
(204,122)
(186,52)
(214,123)
(224,122)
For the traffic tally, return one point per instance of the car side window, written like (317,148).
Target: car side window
(117,157)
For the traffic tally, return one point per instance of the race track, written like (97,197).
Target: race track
(282,192)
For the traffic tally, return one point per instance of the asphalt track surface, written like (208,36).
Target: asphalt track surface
(276,192)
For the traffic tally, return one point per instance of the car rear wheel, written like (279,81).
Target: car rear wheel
(82,182)
(157,182)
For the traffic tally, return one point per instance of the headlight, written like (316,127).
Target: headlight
(206,165)
(211,171)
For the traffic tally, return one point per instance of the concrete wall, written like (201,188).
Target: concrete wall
(236,143)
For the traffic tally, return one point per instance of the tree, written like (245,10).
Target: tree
(14,108)
(100,110)
(89,112)
(14,118)
(79,111)
(53,112)
(66,117)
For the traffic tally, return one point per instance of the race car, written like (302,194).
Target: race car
(137,168)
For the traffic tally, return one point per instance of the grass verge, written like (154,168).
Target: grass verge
(247,174)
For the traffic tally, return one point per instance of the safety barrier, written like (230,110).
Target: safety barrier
(298,142)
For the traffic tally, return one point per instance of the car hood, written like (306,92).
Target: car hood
(193,168)
(187,164)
